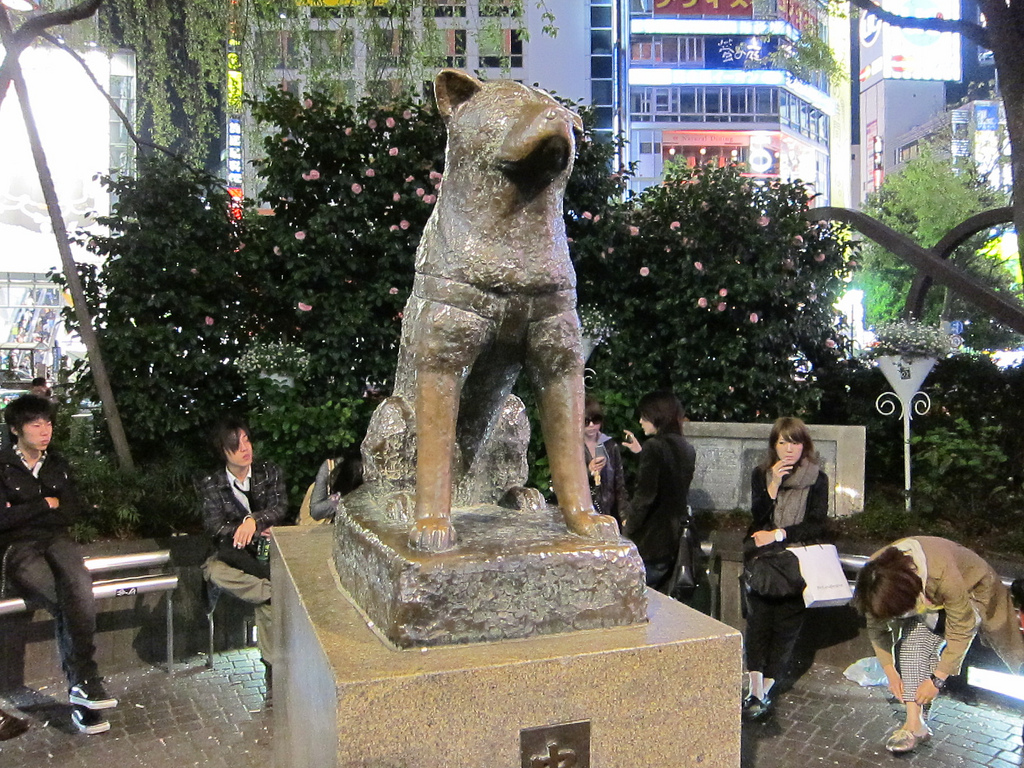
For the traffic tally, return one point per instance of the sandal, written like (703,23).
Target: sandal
(902,741)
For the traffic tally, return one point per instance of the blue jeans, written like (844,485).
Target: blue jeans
(52,575)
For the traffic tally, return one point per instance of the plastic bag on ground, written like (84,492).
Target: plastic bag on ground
(866,672)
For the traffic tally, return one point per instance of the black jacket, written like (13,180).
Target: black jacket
(24,513)
(658,512)
(812,529)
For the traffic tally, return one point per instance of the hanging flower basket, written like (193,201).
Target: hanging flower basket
(908,340)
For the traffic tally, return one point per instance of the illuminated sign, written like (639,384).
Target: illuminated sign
(234,152)
(737,52)
(742,8)
(910,54)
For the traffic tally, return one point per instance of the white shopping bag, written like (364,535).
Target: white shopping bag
(826,583)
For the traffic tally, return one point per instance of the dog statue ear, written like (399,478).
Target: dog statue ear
(452,87)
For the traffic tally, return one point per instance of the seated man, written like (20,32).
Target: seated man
(240,504)
(42,564)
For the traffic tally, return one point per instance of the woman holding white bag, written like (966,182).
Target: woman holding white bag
(789,503)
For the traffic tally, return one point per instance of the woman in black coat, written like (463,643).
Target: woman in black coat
(659,512)
(604,465)
(789,504)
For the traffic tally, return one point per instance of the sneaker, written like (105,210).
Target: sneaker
(89,721)
(91,694)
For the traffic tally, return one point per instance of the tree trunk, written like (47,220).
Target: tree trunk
(86,330)
(1006,30)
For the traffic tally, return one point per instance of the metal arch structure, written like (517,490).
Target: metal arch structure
(932,264)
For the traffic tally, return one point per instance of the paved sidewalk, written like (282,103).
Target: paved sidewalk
(218,718)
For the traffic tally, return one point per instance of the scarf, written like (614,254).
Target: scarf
(791,503)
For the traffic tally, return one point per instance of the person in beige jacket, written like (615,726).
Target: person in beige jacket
(925,598)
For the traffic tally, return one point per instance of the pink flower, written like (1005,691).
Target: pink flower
(634,231)
(798,240)
(370,173)
(396,197)
(194,271)
(668,249)
(702,302)
(853,264)
(209,320)
(393,151)
(588,215)
(597,219)
(277,250)
(308,103)
(723,292)
(300,235)
(372,124)
(819,257)
(348,131)
(644,271)
(420,191)
(753,317)
(698,266)
(830,343)
(721,306)
(403,224)
(394,227)
(705,206)
(357,188)
(303,307)
(429,199)
(611,250)
(674,225)
(392,291)
(390,122)
(764,221)
(407,115)
(435,176)
(314,174)
(409,179)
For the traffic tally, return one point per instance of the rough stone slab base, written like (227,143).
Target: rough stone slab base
(515,573)
(664,693)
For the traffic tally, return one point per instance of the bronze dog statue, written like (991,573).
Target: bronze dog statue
(495,291)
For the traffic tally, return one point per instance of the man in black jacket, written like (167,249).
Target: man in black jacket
(241,503)
(41,563)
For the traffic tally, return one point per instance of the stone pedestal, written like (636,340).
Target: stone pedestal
(662,693)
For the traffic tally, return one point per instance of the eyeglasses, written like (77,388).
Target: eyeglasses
(598,420)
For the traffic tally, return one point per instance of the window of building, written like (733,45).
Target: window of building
(667,50)
(707,104)
(450,8)
(332,48)
(511,55)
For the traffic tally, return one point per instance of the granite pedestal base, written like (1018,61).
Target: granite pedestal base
(664,693)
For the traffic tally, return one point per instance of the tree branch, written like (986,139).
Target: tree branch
(973,32)
(17,41)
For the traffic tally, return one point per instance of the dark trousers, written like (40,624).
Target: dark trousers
(52,575)
(657,574)
(773,626)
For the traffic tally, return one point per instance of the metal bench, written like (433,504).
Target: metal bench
(124,586)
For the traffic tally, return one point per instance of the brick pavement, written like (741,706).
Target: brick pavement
(217,718)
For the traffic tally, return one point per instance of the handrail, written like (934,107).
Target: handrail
(112,588)
(133,560)
(856,562)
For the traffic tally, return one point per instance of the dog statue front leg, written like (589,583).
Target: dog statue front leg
(561,415)
(437,408)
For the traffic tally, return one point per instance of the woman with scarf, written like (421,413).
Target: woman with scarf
(789,504)
(925,599)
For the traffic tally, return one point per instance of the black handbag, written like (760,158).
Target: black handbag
(685,574)
(773,571)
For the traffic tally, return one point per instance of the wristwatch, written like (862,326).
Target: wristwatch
(938,682)
(780,535)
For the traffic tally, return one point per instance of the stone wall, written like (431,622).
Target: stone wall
(727,453)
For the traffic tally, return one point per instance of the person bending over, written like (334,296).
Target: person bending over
(925,599)
(240,504)
(42,563)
